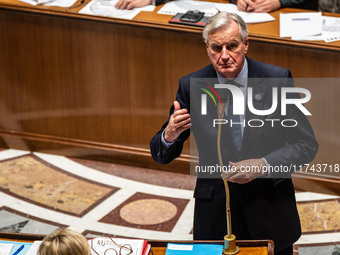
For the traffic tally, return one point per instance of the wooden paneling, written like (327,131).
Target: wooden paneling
(89,80)
(303,62)
(96,87)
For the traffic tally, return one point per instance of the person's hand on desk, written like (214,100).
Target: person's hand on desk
(130,4)
(258,5)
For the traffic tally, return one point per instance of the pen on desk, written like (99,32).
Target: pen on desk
(18,250)
(78,5)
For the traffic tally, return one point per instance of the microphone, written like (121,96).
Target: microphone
(224,95)
(229,246)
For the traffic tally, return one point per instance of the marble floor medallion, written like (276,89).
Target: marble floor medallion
(148,211)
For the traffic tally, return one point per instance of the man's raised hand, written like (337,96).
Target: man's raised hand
(179,122)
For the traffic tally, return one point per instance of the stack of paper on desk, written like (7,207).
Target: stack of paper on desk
(309,26)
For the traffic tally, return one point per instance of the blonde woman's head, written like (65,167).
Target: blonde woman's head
(64,242)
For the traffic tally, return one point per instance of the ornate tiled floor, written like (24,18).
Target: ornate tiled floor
(41,192)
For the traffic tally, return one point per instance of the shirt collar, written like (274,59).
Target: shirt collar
(241,78)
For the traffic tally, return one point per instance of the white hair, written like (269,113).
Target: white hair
(224,19)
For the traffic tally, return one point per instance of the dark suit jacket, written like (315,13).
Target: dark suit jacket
(300,4)
(264,208)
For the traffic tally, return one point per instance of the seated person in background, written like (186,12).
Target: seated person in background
(242,5)
(272,5)
(130,4)
(329,6)
(64,242)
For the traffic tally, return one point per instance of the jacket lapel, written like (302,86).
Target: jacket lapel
(258,98)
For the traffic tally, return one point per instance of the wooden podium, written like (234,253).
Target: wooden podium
(251,247)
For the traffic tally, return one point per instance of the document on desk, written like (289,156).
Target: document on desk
(34,248)
(331,29)
(59,3)
(300,24)
(22,247)
(108,245)
(5,248)
(182,6)
(107,8)
(248,17)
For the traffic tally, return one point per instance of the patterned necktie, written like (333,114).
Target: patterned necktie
(236,125)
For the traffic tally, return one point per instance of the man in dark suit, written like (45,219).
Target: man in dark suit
(262,203)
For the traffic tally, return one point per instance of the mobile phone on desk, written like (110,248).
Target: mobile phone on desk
(192,16)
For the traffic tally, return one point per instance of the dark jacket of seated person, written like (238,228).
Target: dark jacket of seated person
(273,5)
(300,4)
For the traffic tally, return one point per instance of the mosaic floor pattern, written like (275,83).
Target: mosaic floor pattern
(41,192)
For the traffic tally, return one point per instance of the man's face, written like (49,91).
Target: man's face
(227,51)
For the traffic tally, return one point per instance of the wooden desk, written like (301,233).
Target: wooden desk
(253,247)
(100,88)
(20,237)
